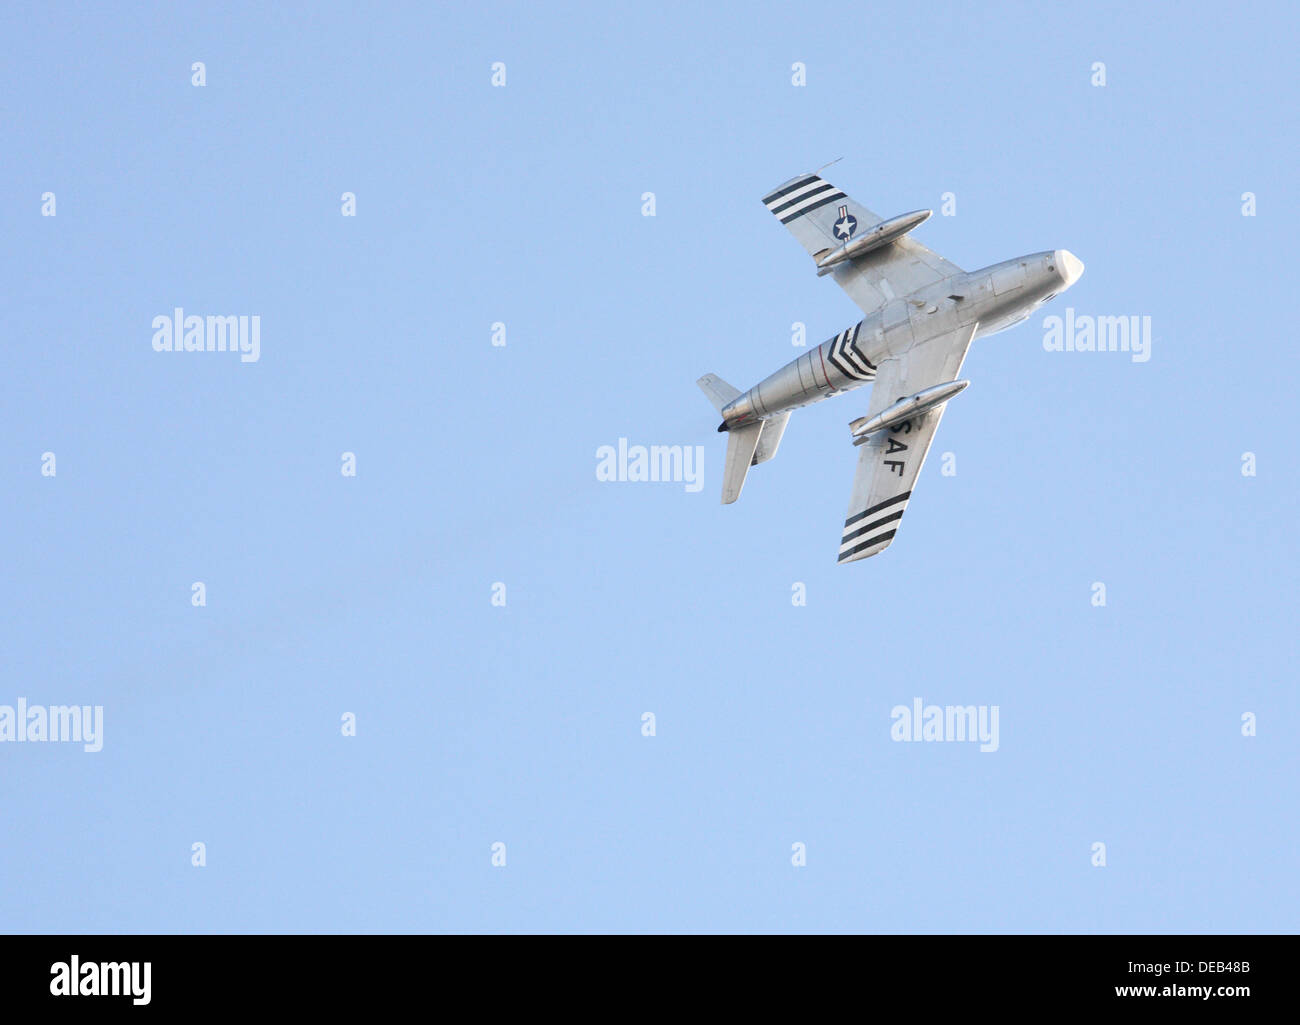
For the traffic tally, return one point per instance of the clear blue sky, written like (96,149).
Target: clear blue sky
(476,464)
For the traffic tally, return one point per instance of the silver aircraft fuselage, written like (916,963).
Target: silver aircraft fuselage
(994,298)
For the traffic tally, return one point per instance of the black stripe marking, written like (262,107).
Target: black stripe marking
(853,345)
(870,527)
(848,354)
(864,365)
(779,210)
(854,357)
(841,361)
(771,196)
(812,187)
(833,198)
(845,369)
(866,544)
(853,375)
(876,508)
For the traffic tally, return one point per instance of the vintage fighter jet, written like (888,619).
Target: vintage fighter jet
(923,312)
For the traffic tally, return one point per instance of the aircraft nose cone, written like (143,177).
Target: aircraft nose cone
(1069,266)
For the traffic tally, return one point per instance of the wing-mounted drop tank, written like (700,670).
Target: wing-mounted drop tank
(903,410)
(873,238)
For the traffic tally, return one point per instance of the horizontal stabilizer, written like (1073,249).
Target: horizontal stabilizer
(718,391)
(741,443)
(771,439)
